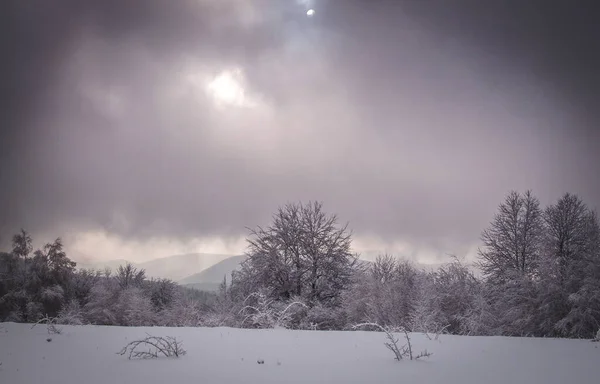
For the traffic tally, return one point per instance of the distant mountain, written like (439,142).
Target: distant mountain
(110,264)
(172,267)
(178,268)
(210,278)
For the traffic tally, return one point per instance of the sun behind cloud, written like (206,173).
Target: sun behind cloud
(227,89)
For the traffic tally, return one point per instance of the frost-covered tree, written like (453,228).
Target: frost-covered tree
(514,305)
(510,261)
(33,284)
(304,253)
(394,291)
(60,266)
(183,313)
(100,307)
(71,314)
(81,285)
(357,298)
(569,237)
(571,269)
(512,241)
(162,292)
(22,244)
(129,276)
(456,290)
(134,308)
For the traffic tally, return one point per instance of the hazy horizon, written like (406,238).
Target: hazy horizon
(143,129)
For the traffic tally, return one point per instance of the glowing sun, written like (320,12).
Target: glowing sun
(227,88)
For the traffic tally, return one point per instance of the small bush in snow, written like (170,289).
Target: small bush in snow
(266,313)
(70,315)
(436,335)
(400,352)
(153,347)
(597,338)
(50,325)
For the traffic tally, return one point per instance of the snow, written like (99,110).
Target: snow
(87,354)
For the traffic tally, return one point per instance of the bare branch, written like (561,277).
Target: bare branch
(157,346)
(392,343)
(50,325)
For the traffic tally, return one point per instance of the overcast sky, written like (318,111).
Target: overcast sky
(143,128)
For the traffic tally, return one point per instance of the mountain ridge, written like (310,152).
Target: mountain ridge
(180,268)
(175,267)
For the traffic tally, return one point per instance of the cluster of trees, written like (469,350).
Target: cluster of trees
(46,283)
(542,267)
(540,277)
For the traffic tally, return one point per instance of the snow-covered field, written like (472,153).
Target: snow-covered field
(87,355)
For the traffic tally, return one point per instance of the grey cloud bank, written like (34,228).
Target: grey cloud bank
(411,127)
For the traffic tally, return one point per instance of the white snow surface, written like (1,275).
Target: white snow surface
(87,355)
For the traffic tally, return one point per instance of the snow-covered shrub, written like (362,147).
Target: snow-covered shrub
(135,308)
(183,313)
(320,317)
(100,308)
(153,347)
(582,319)
(261,312)
(400,352)
(355,301)
(213,319)
(479,319)
(163,293)
(426,316)
(53,294)
(71,314)
(51,326)
(455,289)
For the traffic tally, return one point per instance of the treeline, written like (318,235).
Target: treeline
(46,283)
(541,277)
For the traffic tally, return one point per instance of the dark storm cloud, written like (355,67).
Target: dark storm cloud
(555,41)
(42,111)
(410,119)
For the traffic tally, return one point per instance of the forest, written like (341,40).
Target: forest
(540,277)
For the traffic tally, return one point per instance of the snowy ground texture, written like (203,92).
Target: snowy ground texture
(87,354)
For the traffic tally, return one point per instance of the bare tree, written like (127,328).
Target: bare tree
(512,241)
(304,253)
(383,268)
(394,290)
(568,236)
